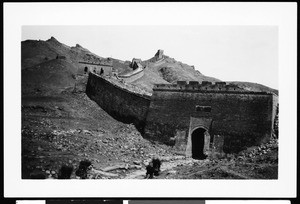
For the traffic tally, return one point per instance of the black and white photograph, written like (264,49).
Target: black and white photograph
(98,115)
(150,102)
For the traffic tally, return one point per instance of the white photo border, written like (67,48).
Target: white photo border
(283,15)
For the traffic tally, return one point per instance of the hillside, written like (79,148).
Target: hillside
(171,70)
(168,70)
(255,87)
(49,77)
(62,126)
(37,51)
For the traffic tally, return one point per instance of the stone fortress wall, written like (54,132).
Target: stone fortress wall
(225,117)
(121,103)
(138,69)
(132,76)
(196,86)
(136,73)
(243,118)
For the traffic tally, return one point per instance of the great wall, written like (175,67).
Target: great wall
(195,118)
(133,75)
(121,101)
(119,115)
(231,116)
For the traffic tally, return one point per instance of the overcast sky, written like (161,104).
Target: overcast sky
(229,53)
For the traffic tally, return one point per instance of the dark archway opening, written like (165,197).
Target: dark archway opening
(198,144)
(85,70)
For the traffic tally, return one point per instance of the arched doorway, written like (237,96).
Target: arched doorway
(198,142)
(85,70)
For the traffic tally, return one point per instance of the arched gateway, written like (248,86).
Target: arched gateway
(198,141)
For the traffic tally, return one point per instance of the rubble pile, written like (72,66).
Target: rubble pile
(48,151)
(259,162)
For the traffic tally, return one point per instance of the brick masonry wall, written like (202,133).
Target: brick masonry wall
(244,119)
(120,103)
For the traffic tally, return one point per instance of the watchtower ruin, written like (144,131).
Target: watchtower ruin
(159,55)
(136,63)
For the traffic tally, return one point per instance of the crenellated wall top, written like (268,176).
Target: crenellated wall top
(204,86)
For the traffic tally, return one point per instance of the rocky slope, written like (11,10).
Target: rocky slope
(34,52)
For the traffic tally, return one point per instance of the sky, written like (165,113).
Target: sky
(229,53)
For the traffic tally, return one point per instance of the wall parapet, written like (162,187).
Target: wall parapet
(131,77)
(205,86)
(120,103)
(97,64)
(132,73)
(123,87)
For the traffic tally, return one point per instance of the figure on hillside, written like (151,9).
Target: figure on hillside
(153,168)
(150,171)
(156,165)
(101,71)
(65,172)
(83,168)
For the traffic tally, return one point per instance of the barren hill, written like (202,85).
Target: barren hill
(167,70)
(37,51)
(49,77)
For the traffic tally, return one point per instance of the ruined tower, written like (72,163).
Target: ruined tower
(159,54)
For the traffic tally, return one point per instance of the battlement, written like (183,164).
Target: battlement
(205,86)
(101,63)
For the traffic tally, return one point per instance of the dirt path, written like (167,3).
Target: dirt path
(168,163)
